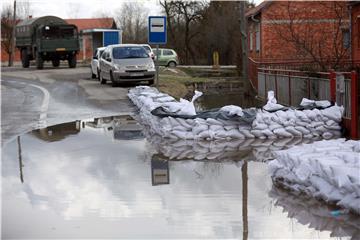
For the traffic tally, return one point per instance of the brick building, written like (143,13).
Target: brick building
(298,30)
(355,31)
(94,33)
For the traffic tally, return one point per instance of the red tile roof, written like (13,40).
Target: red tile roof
(90,23)
(254,11)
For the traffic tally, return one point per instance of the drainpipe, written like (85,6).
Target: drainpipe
(350,33)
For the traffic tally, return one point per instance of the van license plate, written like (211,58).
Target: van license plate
(60,49)
(136,74)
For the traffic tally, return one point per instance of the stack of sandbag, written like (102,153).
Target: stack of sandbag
(328,170)
(180,120)
(313,123)
(251,149)
(317,215)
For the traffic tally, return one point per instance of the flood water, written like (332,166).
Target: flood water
(106,178)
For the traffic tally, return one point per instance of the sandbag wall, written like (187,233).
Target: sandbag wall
(327,170)
(252,149)
(313,123)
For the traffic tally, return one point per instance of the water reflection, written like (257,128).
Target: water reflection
(159,170)
(57,132)
(316,214)
(89,184)
(222,150)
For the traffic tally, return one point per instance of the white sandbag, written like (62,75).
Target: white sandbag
(232,110)
(323,103)
(260,126)
(306,102)
(293,131)
(235,133)
(216,128)
(204,134)
(268,133)
(179,128)
(274,126)
(303,130)
(164,99)
(327,135)
(230,127)
(257,133)
(183,123)
(246,133)
(212,121)
(281,132)
(199,128)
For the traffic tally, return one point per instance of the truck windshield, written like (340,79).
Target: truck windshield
(54,32)
(129,52)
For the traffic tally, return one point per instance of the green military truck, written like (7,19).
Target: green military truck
(47,38)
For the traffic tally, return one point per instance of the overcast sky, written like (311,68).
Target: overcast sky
(84,8)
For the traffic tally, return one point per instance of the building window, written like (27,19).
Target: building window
(346,38)
(251,40)
(257,37)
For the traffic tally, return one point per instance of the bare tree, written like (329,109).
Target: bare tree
(23,11)
(323,45)
(132,19)
(7,29)
(184,17)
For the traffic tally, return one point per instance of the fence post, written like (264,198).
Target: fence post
(332,77)
(290,94)
(354,106)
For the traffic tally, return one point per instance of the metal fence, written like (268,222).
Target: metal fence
(291,86)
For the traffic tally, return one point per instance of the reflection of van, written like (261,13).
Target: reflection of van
(126,128)
(128,132)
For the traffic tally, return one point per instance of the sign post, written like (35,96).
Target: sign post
(157,35)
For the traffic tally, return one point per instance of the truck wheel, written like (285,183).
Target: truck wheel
(25,59)
(39,61)
(151,82)
(72,61)
(55,62)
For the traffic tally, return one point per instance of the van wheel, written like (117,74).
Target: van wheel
(72,61)
(113,83)
(55,62)
(39,61)
(172,64)
(25,59)
(98,74)
(102,80)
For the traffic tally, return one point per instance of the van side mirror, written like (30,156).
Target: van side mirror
(108,59)
(95,57)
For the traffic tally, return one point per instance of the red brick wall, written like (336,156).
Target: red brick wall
(5,57)
(355,32)
(314,22)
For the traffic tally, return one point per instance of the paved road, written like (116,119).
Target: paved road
(33,98)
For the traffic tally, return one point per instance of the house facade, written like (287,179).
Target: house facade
(299,30)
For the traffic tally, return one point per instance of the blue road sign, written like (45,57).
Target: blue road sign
(157,30)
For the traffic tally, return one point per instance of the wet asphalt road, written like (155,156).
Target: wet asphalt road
(32,98)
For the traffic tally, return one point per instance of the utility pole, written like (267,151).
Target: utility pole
(12,54)
(244,42)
